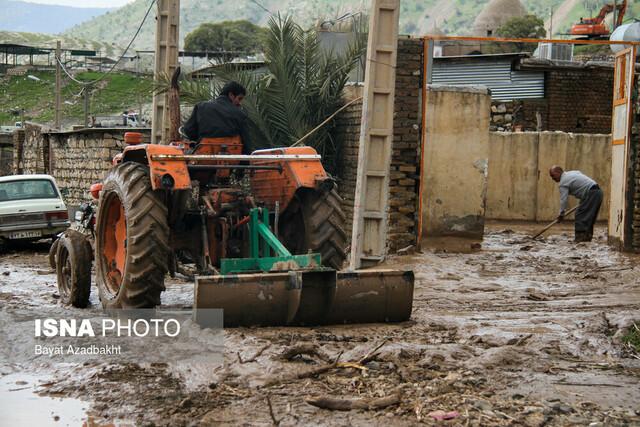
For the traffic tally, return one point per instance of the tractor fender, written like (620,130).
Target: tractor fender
(271,186)
(165,174)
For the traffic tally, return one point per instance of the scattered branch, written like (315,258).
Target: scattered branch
(523,340)
(255,356)
(273,417)
(369,357)
(306,374)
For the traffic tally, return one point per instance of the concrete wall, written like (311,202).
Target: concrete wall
(519,186)
(456,150)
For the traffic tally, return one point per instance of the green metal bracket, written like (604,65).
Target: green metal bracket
(261,243)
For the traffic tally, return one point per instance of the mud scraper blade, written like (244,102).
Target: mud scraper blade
(308,297)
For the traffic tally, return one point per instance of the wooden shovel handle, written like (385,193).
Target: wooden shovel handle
(554,223)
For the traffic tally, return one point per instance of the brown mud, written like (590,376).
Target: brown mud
(506,332)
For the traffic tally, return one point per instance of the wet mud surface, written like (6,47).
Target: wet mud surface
(508,332)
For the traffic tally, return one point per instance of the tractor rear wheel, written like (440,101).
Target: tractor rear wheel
(73,268)
(132,239)
(314,221)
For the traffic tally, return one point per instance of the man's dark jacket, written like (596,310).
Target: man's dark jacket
(218,118)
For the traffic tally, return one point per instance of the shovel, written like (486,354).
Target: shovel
(553,223)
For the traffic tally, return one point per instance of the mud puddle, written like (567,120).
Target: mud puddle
(21,403)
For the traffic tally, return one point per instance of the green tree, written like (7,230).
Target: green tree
(527,27)
(240,35)
(301,88)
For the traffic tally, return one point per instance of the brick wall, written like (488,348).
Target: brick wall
(405,173)
(75,159)
(577,99)
(6,153)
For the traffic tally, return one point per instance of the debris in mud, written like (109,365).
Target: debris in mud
(336,338)
(442,415)
(409,250)
(476,346)
(309,349)
(344,404)
(536,296)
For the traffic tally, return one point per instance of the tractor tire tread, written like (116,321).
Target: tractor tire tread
(147,239)
(74,248)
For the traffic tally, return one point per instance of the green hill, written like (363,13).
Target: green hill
(114,94)
(416,17)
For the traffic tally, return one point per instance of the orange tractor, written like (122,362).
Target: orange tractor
(270,254)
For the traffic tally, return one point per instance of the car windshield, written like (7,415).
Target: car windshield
(27,189)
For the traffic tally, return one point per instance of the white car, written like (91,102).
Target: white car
(31,208)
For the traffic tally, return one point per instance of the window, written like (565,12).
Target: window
(27,189)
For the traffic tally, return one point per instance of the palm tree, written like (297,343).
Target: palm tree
(302,86)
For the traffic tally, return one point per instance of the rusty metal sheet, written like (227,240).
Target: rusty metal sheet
(372,296)
(308,298)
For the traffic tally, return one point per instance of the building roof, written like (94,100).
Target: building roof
(495,14)
(435,31)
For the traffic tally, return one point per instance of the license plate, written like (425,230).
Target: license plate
(25,234)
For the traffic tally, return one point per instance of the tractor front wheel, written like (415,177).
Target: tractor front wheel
(73,268)
(314,222)
(132,239)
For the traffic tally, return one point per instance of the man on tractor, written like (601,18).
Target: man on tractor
(220,117)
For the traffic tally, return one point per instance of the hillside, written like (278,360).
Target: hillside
(114,94)
(417,16)
(42,18)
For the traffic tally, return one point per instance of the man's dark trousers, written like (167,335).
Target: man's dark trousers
(587,213)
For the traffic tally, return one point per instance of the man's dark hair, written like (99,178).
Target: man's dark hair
(233,88)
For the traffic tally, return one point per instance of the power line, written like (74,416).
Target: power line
(119,59)
(262,7)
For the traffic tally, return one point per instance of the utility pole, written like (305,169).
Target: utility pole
(615,14)
(551,24)
(139,110)
(58,85)
(166,62)
(86,106)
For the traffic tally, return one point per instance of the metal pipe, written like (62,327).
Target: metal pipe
(253,167)
(235,157)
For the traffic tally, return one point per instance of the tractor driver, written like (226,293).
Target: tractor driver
(220,117)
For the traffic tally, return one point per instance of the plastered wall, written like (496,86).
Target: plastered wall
(456,151)
(519,186)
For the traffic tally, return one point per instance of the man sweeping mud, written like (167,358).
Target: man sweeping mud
(580,186)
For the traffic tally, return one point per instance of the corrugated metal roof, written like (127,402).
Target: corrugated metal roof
(505,83)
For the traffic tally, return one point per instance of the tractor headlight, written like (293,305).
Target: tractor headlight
(167,182)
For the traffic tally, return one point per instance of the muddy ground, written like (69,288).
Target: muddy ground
(514,332)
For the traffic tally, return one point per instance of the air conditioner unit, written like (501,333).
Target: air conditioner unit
(557,51)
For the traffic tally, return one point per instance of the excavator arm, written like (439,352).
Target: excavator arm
(622,7)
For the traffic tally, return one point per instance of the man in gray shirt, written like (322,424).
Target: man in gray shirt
(580,186)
